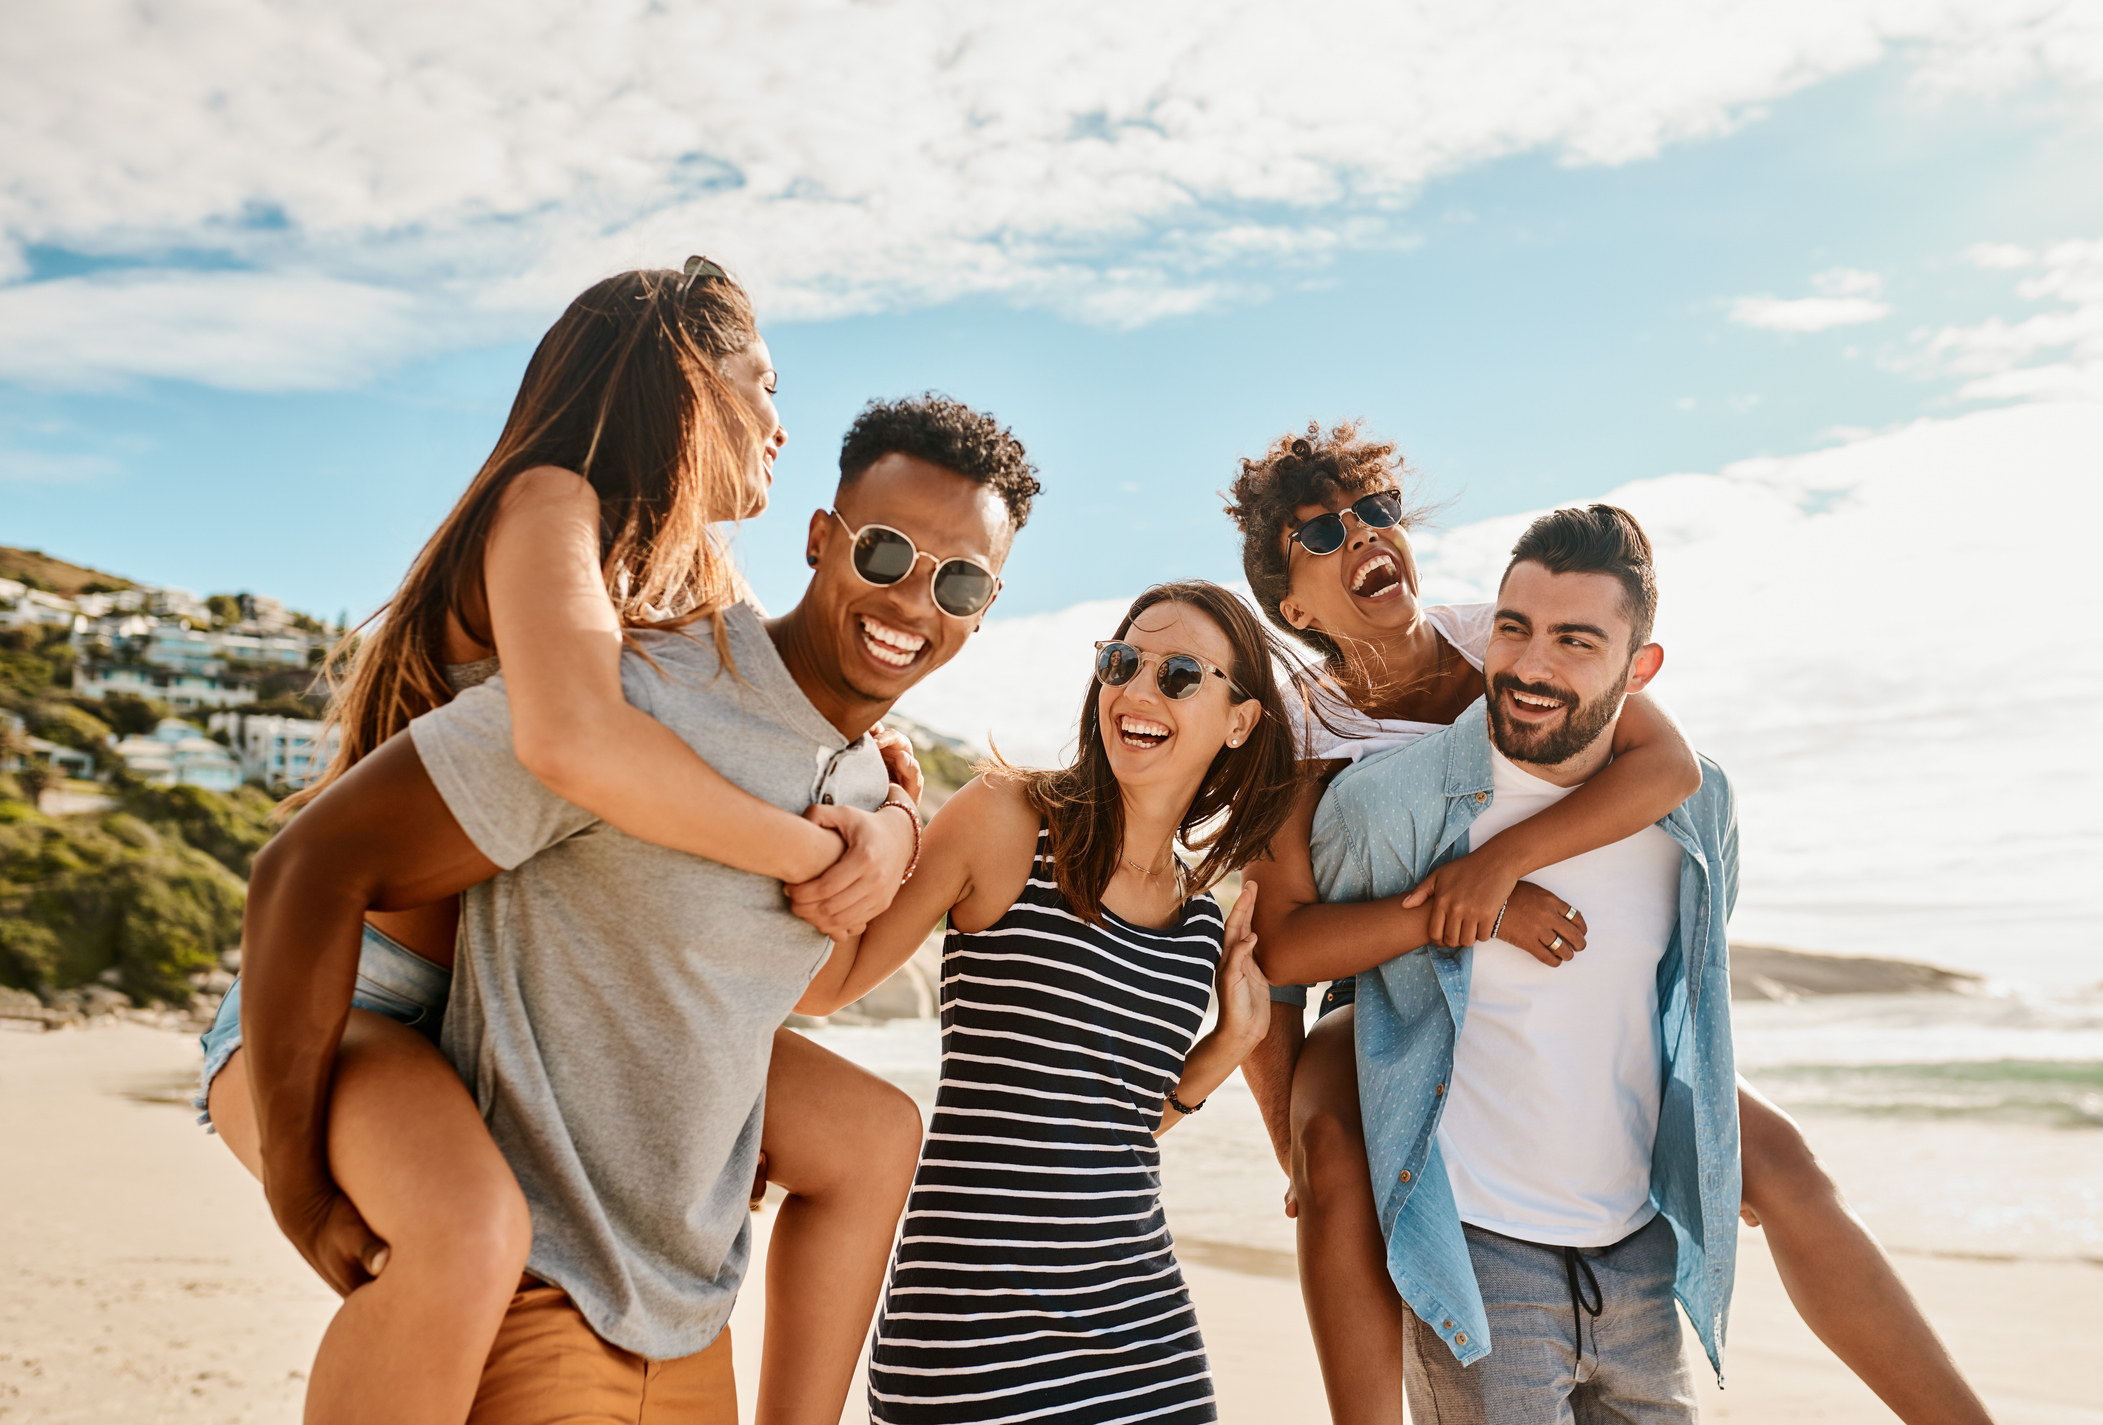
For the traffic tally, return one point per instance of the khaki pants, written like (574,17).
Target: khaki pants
(549,1368)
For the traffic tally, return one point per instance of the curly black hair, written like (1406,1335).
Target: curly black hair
(945,433)
(1304,470)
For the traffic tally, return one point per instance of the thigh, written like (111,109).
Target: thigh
(1325,1081)
(1531,1370)
(700,1389)
(1641,1375)
(829,1120)
(406,1142)
(1496,1390)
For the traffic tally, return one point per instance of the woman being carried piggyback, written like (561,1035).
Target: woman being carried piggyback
(1034,1277)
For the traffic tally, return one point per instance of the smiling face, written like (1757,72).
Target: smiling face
(750,373)
(1151,739)
(879,640)
(1559,667)
(1364,590)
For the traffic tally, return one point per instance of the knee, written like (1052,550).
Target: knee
(893,1135)
(1328,1152)
(480,1239)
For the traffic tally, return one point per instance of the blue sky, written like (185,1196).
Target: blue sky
(1528,328)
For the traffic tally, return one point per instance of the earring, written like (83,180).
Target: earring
(811,559)
(979,625)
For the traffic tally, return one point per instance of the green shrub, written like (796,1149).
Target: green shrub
(69,726)
(230,827)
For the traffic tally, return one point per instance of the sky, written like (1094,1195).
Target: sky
(269,271)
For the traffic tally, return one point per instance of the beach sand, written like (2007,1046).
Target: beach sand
(141,1279)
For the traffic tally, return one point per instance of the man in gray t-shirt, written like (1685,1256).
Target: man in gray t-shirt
(614,1002)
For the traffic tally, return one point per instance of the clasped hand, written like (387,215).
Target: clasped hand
(1465,896)
(876,849)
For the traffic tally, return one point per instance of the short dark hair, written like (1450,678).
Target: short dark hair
(1596,539)
(1301,470)
(947,433)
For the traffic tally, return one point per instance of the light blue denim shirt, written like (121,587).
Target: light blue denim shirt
(1382,825)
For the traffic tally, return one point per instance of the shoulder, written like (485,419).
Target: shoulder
(993,811)
(549,485)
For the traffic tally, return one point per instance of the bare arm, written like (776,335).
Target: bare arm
(1653,771)
(381,838)
(572,728)
(1244,1015)
(1268,1072)
(974,859)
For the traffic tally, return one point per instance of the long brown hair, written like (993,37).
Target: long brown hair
(1240,805)
(625,390)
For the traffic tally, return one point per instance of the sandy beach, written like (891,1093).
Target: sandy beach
(141,1279)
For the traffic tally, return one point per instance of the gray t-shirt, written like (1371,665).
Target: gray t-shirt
(614,1003)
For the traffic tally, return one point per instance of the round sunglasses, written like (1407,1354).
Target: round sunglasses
(1178,676)
(882,556)
(1324,534)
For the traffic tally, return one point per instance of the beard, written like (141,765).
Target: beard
(1552,746)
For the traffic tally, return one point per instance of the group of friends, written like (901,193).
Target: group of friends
(507,1051)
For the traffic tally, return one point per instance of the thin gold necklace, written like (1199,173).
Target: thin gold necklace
(1155,875)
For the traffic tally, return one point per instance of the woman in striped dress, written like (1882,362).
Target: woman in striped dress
(1035,1278)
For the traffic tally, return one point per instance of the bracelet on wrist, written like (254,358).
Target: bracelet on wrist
(912,814)
(1186,1109)
(1494,925)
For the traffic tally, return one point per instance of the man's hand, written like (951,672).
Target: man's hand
(333,1237)
(1536,920)
(900,764)
(859,886)
(1465,895)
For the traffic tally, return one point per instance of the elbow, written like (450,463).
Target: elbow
(554,756)
(1688,772)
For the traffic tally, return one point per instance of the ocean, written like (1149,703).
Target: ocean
(1958,1124)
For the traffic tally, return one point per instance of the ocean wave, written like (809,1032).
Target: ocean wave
(2052,1092)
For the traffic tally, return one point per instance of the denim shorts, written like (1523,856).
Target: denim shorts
(392,980)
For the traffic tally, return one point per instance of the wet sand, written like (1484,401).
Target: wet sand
(141,1279)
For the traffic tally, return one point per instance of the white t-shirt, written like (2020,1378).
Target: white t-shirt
(1553,1109)
(1343,732)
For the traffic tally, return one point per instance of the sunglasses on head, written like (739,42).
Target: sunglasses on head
(699,269)
(883,556)
(1324,534)
(1178,675)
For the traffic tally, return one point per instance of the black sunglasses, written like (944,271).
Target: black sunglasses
(1324,534)
(882,556)
(697,269)
(1178,676)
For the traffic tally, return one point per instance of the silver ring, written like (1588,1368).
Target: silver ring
(1556,944)
(1570,914)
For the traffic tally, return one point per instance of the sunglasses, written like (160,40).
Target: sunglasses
(883,556)
(699,269)
(1324,534)
(1178,675)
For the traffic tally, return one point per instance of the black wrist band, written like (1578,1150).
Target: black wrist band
(1181,1107)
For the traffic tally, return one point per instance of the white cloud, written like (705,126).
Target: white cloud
(1806,314)
(2001,356)
(1847,282)
(1872,639)
(482,161)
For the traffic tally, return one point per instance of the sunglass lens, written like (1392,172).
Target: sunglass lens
(962,588)
(1180,675)
(883,556)
(1379,511)
(1115,663)
(1324,534)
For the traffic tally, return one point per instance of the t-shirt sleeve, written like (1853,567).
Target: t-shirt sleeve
(1466,626)
(466,749)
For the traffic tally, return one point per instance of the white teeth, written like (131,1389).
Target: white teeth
(1141,727)
(1531,701)
(1365,570)
(893,646)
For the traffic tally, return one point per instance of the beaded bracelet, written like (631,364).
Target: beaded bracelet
(1186,1109)
(912,814)
(1494,926)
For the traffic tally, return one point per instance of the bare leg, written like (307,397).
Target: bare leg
(1352,1305)
(844,1144)
(410,1151)
(1839,1279)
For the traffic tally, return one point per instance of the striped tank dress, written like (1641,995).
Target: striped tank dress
(1034,1278)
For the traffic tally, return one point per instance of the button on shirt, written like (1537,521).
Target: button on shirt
(1382,825)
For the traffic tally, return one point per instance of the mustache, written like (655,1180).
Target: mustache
(1506,683)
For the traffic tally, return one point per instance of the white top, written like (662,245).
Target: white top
(1553,1108)
(1354,734)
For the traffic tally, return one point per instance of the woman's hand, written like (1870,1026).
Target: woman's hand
(1464,897)
(1536,920)
(1244,994)
(899,762)
(861,885)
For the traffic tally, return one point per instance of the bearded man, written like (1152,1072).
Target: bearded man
(1554,1151)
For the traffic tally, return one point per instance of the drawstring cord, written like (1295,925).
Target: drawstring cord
(1573,1262)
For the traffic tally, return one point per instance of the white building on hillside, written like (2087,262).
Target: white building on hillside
(177,755)
(185,692)
(278,751)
